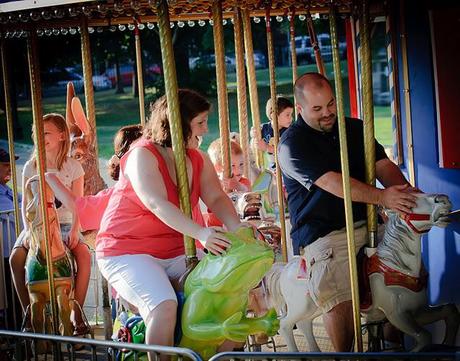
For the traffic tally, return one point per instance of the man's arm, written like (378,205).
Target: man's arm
(394,197)
(389,173)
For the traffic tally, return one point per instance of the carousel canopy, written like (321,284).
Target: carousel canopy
(16,15)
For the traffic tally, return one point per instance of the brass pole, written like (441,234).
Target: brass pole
(172,96)
(292,43)
(276,133)
(407,106)
(221,77)
(314,44)
(140,76)
(368,118)
(241,91)
(39,139)
(346,183)
(9,124)
(88,82)
(252,82)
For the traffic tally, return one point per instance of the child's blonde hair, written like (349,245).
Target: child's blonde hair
(59,121)
(216,155)
(281,103)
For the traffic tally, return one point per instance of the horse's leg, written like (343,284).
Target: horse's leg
(449,313)
(407,324)
(286,327)
(306,327)
(37,308)
(62,295)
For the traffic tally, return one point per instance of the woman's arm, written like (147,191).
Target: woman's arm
(77,190)
(147,181)
(24,202)
(215,198)
(64,194)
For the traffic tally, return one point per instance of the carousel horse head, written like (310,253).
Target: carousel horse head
(82,142)
(35,221)
(249,206)
(431,210)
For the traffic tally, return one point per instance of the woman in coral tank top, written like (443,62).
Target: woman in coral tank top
(140,243)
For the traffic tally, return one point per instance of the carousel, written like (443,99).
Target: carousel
(392,269)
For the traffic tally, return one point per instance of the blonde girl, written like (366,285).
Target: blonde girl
(70,173)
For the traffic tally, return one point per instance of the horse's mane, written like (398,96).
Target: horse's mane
(395,242)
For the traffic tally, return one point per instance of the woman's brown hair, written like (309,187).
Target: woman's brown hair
(121,143)
(59,121)
(190,104)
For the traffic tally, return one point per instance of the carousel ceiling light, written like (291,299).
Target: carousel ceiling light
(48,32)
(59,13)
(201,22)
(86,10)
(113,28)
(56,32)
(279,18)
(100,29)
(256,19)
(180,24)
(73,12)
(315,16)
(12,18)
(64,31)
(171,24)
(122,27)
(224,22)
(39,32)
(46,15)
(102,8)
(24,34)
(141,26)
(72,31)
(90,29)
(35,15)
(232,20)
(150,25)
(191,23)
(211,22)
(131,27)
(302,17)
(23,17)
(118,6)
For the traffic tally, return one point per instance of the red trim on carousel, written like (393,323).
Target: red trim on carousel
(410,217)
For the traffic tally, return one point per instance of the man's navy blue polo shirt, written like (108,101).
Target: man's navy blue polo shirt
(305,154)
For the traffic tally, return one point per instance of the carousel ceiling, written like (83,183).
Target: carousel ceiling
(19,15)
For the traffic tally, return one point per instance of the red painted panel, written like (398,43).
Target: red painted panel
(446,60)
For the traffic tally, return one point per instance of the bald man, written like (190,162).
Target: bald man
(309,157)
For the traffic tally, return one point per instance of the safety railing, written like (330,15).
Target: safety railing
(88,349)
(377,356)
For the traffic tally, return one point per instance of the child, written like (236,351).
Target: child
(266,143)
(237,182)
(70,173)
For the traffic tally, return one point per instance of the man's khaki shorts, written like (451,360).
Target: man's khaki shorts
(327,266)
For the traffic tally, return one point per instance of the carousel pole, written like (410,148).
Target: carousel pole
(276,132)
(140,76)
(368,118)
(241,92)
(252,82)
(91,116)
(315,45)
(222,98)
(178,144)
(39,139)
(346,182)
(293,48)
(88,81)
(9,124)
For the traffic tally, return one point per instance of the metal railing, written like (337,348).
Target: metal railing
(89,349)
(336,356)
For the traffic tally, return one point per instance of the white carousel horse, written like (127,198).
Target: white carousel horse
(396,277)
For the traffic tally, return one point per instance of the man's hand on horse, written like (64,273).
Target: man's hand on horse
(400,198)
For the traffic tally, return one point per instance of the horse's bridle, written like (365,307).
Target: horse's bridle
(411,217)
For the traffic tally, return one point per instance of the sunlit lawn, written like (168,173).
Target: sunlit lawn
(115,110)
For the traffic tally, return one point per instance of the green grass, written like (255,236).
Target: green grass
(116,110)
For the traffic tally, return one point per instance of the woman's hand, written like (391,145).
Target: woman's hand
(214,240)
(73,238)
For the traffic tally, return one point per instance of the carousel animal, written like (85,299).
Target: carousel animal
(83,142)
(216,295)
(36,266)
(396,280)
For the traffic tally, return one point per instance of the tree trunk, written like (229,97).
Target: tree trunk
(119,81)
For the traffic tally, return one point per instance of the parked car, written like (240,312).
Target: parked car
(54,81)
(102,82)
(209,60)
(127,73)
(305,52)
